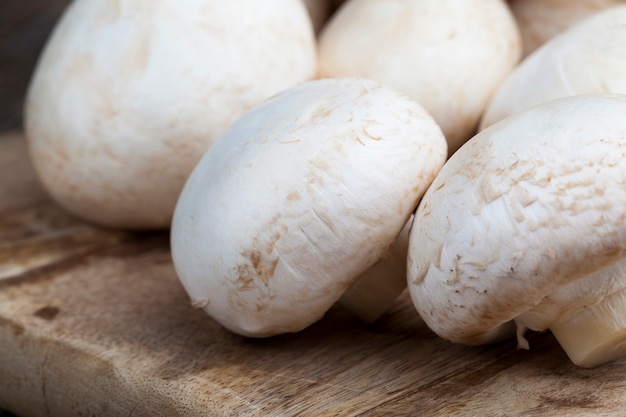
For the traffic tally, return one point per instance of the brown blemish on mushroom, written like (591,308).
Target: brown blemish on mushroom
(264,268)
(236,300)
(321,113)
(260,265)
(272,243)
(457,272)
(487,190)
(438,257)
(294,196)
(245,279)
(369,134)
(356,136)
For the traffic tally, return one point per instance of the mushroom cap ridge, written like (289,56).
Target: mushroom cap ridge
(525,208)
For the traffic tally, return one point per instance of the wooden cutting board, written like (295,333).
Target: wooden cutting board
(94,323)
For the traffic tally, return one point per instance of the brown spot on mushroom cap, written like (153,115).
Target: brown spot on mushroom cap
(294,196)
(262,267)
(320,113)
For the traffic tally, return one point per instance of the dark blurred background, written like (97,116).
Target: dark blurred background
(24,28)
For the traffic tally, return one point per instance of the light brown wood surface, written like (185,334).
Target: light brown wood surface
(94,323)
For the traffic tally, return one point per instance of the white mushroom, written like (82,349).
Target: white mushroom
(298,198)
(588,58)
(526,223)
(540,20)
(128,95)
(448,56)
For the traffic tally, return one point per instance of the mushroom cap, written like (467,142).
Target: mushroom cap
(298,198)
(449,56)
(588,58)
(540,20)
(524,212)
(127,96)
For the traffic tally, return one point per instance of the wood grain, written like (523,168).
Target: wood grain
(94,323)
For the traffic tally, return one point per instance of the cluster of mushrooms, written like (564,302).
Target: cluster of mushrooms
(306,153)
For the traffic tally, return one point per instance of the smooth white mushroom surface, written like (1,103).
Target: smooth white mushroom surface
(449,56)
(527,223)
(128,95)
(298,198)
(540,20)
(588,58)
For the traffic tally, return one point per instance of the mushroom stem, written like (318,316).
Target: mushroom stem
(597,334)
(377,289)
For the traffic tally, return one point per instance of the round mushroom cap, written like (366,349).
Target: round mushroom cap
(529,211)
(540,20)
(298,198)
(128,96)
(449,56)
(588,58)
